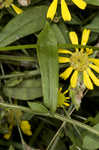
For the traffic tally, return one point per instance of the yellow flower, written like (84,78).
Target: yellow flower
(16,9)
(80,62)
(8,3)
(62,99)
(64,9)
(8,135)
(26,128)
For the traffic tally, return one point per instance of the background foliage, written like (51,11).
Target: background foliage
(29,77)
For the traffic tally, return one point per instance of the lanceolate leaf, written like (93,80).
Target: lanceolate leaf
(37,107)
(91,142)
(48,60)
(94,25)
(23,90)
(93,2)
(24,24)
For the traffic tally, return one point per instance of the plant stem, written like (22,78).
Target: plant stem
(77,123)
(77,46)
(18,47)
(57,116)
(25,74)
(54,140)
(30,46)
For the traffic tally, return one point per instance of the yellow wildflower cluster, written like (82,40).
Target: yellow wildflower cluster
(81,62)
(64,9)
(25,127)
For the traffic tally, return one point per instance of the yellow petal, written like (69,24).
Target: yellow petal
(64,51)
(66,91)
(65,11)
(66,104)
(73,81)
(74,38)
(89,51)
(66,73)
(63,60)
(62,99)
(52,9)
(85,36)
(7,135)
(87,80)
(80,3)
(67,98)
(17,10)
(94,67)
(60,89)
(93,77)
(94,60)
(26,127)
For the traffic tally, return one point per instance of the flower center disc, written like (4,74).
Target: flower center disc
(79,61)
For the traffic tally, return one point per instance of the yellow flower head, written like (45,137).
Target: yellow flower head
(62,99)
(64,9)
(8,3)
(8,135)
(26,127)
(80,62)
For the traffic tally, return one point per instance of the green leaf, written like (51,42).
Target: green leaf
(93,120)
(37,107)
(72,132)
(65,32)
(91,142)
(93,93)
(30,21)
(94,25)
(75,20)
(59,36)
(93,2)
(26,90)
(48,60)
(11,147)
(75,147)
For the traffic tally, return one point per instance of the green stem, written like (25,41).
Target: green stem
(57,116)
(25,74)
(30,46)
(22,108)
(11,106)
(57,135)
(36,134)
(77,46)
(18,47)
(17,58)
(51,144)
(77,123)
